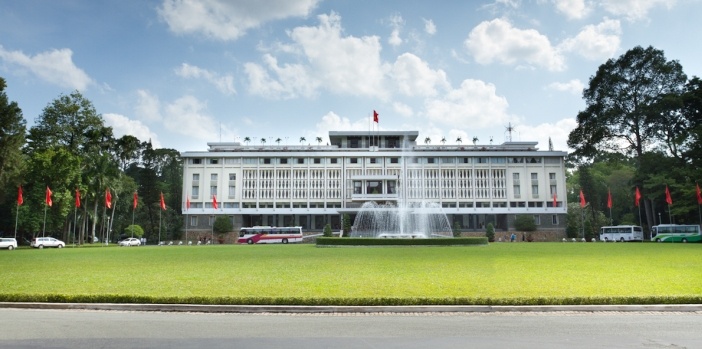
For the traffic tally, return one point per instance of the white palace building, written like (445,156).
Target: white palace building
(312,185)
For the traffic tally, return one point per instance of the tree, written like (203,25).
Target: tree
(631,104)
(459,140)
(247,140)
(12,138)
(277,140)
(475,140)
(302,140)
(327,231)
(134,231)
(263,141)
(319,140)
(222,225)
(346,224)
(490,232)
(457,229)
(427,140)
(524,222)
(443,140)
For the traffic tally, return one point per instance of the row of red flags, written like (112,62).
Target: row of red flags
(108,198)
(637,197)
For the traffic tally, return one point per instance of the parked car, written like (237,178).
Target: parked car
(47,242)
(8,243)
(130,242)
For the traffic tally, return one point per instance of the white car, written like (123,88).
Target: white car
(47,242)
(130,242)
(8,243)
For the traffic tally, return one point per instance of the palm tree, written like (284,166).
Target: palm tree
(443,140)
(247,140)
(427,140)
(459,140)
(278,140)
(475,140)
(319,140)
(302,139)
(263,141)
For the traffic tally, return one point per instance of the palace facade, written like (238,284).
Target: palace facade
(312,185)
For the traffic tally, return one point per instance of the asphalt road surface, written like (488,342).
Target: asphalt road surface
(32,328)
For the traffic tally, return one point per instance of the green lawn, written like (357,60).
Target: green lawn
(501,273)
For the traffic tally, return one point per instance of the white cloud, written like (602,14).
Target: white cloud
(573,9)
(396,22)
(224,84)
(414,77)
(402,109)
(498,41)
(122,125)
(228,20)
(475,104)
(574,86)
(634,10)
(344,65)
(595,42)
(333,122)
(148,106)
(55,67)
(558,133)
(186,116)
(429,26)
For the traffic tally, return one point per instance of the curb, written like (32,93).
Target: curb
(302,309)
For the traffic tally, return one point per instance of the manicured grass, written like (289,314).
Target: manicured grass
(501,273)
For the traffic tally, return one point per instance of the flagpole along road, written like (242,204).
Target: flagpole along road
(32,328)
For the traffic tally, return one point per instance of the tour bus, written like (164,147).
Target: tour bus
(621,233)
(676,233)
(270,235)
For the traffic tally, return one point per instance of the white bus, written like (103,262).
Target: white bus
(676,233)
(621,233)
(269,235)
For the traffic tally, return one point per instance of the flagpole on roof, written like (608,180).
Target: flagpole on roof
(19,203)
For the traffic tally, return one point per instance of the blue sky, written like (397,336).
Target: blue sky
(183,73)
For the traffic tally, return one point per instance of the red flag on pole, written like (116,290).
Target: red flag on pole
(187,202)
(135,201)
(668,199)
(582,199)
(375,116)
(20,199)
(77,198)
(108,198)
(637,197)
(555,200)
(163,203)
(48,196)
(214,201)
(609,199)
(699,195)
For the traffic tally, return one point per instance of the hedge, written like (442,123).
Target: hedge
(333,241)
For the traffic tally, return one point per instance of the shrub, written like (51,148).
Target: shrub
(456,229)
(327,231)
(525,223)
(346,225)
(490,232)
(222,225)
(134,230)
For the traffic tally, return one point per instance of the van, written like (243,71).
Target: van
(47,242)
(8,243)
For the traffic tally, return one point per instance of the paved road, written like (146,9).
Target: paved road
(32,328)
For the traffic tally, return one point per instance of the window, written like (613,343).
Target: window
(353,160)
(482,160)
(515,160)
(431,160)
(535,160)
(300,160)
(372,160)
(193,221)
(213,177)
(196,177)
(214,161)
(284,161)
(466,160)
(392,185)
(354,142)
(232,191)
(317,160)
(448,160)
(554,219)
(537,220)
(535,185)
(195,192)
(552,183)
(266,161)
(357,185)
(213,190)
(516,186)
(497,160)
(195,161)
(394,160)
(232,176)
(333,160)
(374,187)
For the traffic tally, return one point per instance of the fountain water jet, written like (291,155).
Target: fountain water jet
(422,220)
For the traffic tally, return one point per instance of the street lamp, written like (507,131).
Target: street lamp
(107,240)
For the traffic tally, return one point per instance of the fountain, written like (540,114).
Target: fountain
(422,220)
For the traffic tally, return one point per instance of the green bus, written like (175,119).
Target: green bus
(676,233)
